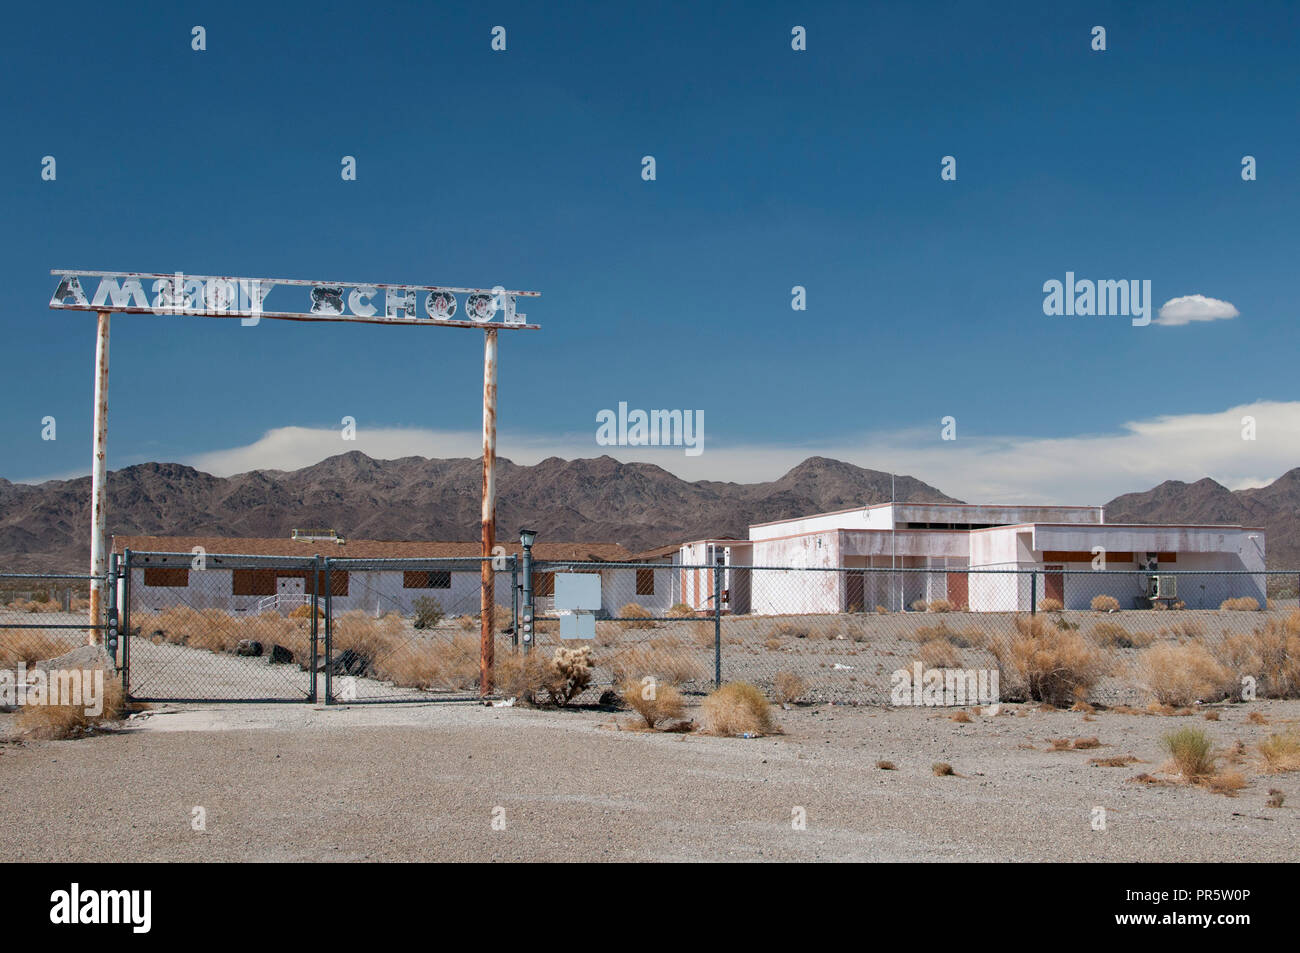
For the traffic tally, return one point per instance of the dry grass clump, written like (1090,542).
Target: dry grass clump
(1105,604)
(703,633)
(789,629)
(919,605)
(738,708)
(1281,752)
(53,722)
(521,675)
(437,663)
(1116,761)
(1225,782)
(772,645)
(939,605)
(25,645)
(1183,674)
(788,687)
(1190,750)
(886,766)
(680,610)
(939,653)
(1044,663)
(655,701)
(1212,715)
(942,769)
(961,717)
(1109,635)
(1272,654)
(675,667)
(1242,604)
(1051,605)
(1255,718)
(304,612)
(638,616)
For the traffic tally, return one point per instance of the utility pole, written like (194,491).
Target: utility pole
(487,616)
(98,481)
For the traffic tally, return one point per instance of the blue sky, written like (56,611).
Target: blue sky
(775,168)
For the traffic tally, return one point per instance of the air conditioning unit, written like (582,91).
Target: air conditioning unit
(1162,587)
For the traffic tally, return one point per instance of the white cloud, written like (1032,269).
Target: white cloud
(1085,468)
(1191,308)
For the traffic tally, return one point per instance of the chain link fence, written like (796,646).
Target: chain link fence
(878,636)
(229,627)
(42,616)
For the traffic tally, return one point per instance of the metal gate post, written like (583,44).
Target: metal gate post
(329,643)
(1033,592)
(717,626)
(110,640)
(125,627)
(526,619)
(315,625)
(514,601)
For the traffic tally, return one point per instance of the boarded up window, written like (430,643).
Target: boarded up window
(434,579)
(645,582)
(544,584)
(338,583)
(158,576)
(252,582)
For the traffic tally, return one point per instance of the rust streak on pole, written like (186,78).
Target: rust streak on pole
(98,479)
(487,617)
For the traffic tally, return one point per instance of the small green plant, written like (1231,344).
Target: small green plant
(1190,749)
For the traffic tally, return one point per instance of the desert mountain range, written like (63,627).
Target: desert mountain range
(45,527)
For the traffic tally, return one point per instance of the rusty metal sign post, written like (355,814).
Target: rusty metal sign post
(212,296)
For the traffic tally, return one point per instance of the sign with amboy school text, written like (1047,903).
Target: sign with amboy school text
(210,296)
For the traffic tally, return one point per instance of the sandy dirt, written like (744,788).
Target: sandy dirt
(425,782)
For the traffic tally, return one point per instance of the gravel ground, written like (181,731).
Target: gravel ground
(422,782)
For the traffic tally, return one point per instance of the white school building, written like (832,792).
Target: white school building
(962,547)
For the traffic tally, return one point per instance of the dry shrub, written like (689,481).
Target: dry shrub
(437,663)
(1212,715)
(1281,752)
(1051,605)
(25,645)
(1117,761)
(962,718)
(1188,628)
(886,766)
(674,667)
(638,616)
(1105,604)
(1044,663)
(54,722)
(1183,674)
(1059,744)
(304,612)
(567,674)
(738,708)
(919,605)
(680,610)
(703,633)
(939,653)
(1082,744)
(521,675)
(1112,636)
(772,645)
(1255,718)
(788,687)
(790,629)
(1272,654)
(653,700)
(1225,782)
(1242,604)
(1275,798)
(942,769)
(940,605)
(1190,749)
(881,610)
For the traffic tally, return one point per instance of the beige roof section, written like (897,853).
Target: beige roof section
(363,548)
